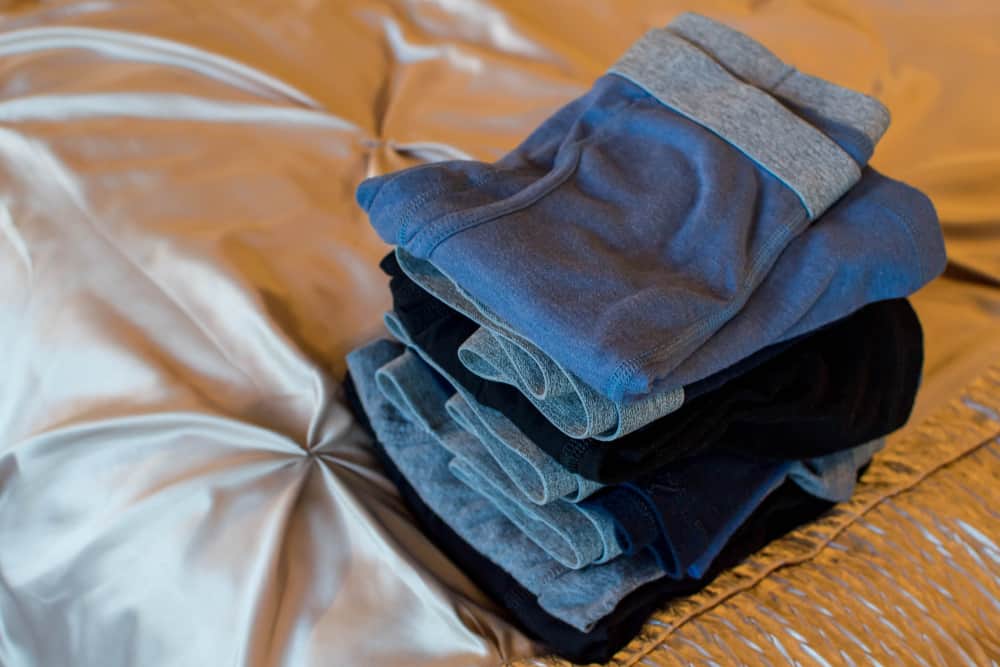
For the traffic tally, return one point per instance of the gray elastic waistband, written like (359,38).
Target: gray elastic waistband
(691,82)
(754,63)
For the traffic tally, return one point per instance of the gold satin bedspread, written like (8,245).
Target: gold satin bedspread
(183,269)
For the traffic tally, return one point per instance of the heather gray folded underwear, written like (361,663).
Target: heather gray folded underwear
(577,597)
(575,535)
(538,476)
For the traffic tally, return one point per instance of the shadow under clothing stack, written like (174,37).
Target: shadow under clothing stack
(667,328)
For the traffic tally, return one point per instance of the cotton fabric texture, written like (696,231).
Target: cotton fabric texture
(788,507)
(540,269)
(578,597)
(849,383)
(678,510)
(594,173)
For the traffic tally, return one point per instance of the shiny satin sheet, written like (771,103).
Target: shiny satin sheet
(183,269)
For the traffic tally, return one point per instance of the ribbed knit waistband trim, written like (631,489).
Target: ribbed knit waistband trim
(721,79)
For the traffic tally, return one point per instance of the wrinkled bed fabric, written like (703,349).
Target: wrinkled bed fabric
(183,269)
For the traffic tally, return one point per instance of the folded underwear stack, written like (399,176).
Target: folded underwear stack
(665,329)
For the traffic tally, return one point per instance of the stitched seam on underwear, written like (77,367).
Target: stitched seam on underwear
(411,209)
(633,364)
(416,201)
(512,205)
(664,632)
(911,237)
(627,369)
(475,311)
(453,223)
